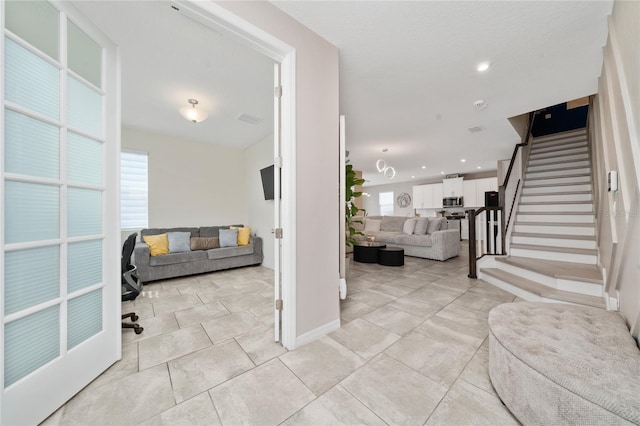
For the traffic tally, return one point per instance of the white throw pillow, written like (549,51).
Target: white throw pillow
(372,225)
(409,226)
(421,226)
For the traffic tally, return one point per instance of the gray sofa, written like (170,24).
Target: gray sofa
(440,243)
(151,268)
(554,364)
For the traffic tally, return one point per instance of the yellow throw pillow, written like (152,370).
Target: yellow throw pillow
(244,235)
(158,244)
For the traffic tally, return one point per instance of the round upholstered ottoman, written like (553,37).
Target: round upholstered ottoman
(555,364)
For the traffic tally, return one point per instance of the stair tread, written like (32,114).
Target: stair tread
(541,194)
(561,135)
(559,169)
(556,268)
(567,224)
(554,236)
(554,203)
(571,250)
(544,291)
(560,177)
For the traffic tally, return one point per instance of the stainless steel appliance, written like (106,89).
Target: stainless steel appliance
(452,202)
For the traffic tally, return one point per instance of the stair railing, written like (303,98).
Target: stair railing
(492,237)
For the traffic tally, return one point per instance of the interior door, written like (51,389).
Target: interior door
(277,211)
(59,224)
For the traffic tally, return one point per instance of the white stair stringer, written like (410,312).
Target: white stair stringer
(553,248)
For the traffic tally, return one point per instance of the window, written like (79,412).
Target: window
(134,203)
(386,203)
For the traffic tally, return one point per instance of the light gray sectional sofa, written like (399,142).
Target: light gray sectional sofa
(151,268)
(429,238)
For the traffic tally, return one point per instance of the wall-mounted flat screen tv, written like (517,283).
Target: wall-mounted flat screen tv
(267,182)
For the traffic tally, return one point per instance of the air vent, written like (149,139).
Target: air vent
(247,118)
(475,129)
(452,176)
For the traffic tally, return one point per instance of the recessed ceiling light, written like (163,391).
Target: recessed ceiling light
(424,167)
(483,66)
(413,177)
(441,173)
(463,160)
(479,167)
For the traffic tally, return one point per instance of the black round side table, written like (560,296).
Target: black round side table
(367,252)
(391,256)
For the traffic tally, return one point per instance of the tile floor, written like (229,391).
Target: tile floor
(413,349)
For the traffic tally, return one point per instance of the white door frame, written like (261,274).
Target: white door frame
(217,17)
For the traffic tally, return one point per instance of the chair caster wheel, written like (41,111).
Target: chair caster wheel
(134,318)
(138,330)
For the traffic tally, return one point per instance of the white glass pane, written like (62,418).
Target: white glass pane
(84,55)
(84,160)
(31,146)
(85,212)
(133,190)
(31,277)
(85,108)
(30,81)
(30,343)
(31,212)
(84,265)
(84,317)
(35,22)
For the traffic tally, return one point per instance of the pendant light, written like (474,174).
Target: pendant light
(192,113)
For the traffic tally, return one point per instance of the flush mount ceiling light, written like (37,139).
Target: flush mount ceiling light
(480,104)
(483,66)
(192,113)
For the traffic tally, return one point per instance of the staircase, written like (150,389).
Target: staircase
(552,255)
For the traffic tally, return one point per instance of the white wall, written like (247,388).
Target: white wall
(260,211)
(191,183)
(316,164)
(614,130)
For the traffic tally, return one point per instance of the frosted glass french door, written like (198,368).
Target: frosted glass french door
(59,232)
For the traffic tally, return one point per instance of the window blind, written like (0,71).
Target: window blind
(385,201)
(134,203)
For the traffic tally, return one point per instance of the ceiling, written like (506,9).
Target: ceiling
(408,77)
(168,58)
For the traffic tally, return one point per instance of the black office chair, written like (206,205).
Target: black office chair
(131,284)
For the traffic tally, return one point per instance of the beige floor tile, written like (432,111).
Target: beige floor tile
(253,286)
(437,356)
(230,326)
(117,371)
(198,411)
(196,287)
(200,314)
(335,407)
(489,291)
(350,310)
(358,284)
(152,327)
(465,404)
(172,345)
(264,313)
(397,394)
(260,345)
(477,371)
(213,295)
(122,402)
(266,395)
(202,370)
(392,289)
(237,303)
(414,306)
(143,311)
(415,282)
(371,298)
(394,320)
(476,302)
(364,338)
(463,329)
(435,294)
(129,351)
(322,364)
(176,303)
(383,275)
(154,293)
(452,285)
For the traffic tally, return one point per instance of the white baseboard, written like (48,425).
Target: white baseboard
(317,333)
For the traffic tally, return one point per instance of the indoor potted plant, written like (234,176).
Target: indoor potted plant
(351,210)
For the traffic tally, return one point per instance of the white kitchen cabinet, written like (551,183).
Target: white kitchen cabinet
(418,199)
(436,196)
(452,187)
(469,194)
